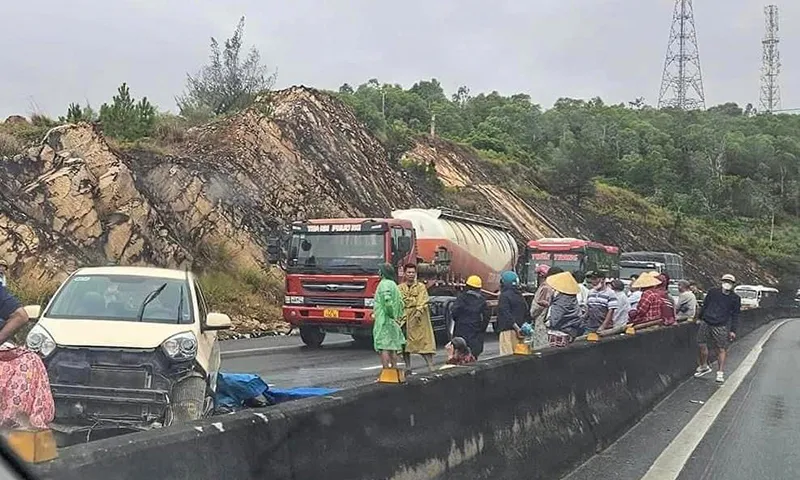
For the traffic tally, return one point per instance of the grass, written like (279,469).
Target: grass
(251,296)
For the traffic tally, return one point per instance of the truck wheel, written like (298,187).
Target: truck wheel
(188,400)
(362,341)
(312,336)
(444,336)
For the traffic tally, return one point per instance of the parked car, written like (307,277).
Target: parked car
(128,348)
(756,296)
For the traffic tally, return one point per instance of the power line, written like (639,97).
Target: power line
(682,80)
(771,62)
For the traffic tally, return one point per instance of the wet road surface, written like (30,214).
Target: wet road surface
(285,362)
(747,431)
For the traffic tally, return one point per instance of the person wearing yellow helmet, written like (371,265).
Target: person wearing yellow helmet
(471,315)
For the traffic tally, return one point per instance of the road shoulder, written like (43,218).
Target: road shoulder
(632,455)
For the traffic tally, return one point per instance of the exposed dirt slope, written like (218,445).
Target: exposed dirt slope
(74,201)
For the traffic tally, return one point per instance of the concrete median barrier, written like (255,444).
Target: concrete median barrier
(515,417)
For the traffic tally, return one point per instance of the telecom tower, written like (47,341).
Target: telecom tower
(682,81)
(771,64)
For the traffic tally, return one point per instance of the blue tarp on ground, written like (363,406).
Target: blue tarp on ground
(234,390)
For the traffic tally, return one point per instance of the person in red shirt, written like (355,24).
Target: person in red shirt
(649,307)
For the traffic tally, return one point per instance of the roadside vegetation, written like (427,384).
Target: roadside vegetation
(727,174)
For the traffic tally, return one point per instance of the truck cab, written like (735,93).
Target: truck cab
(331,270)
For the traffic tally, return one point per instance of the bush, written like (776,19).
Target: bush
(9,145)
(228,83)
(170,129)
(127,119)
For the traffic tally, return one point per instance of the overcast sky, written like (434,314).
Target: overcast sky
(56,52)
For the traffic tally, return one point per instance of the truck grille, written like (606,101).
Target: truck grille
(335,286)
(335,302)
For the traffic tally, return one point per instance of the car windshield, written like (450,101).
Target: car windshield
(337,251)
(120,297)
(750,294)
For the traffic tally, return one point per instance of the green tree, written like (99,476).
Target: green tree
(229,82)
(127,119)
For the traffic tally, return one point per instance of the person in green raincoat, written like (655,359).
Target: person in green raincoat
(386,333)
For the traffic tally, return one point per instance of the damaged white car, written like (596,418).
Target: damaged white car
(128,348)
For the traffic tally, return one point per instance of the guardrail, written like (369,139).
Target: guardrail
(512,417)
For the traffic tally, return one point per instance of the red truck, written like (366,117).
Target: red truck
(332,264)
(570,254)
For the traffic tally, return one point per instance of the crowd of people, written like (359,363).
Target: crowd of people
(562,309)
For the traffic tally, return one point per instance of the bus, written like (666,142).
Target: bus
(569,254)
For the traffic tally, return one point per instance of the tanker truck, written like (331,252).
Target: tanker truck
(331,266)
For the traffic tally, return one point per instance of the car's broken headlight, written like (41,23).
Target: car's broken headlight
(40,341)
(182,346)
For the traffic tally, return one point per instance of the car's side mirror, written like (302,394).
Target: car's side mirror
(217,321)
(33,311)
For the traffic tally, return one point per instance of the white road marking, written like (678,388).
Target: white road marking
(378,367)
(669,464)
(250,351)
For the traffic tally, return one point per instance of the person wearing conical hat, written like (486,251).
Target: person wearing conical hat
(565,314)
(649,308)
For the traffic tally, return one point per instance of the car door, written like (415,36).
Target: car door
(207,345)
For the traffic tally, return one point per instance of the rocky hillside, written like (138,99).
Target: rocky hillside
(215,199)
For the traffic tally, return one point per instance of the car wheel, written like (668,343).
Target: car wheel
(188,400)
(312,336)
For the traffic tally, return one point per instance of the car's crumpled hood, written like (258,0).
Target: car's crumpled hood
(109,333)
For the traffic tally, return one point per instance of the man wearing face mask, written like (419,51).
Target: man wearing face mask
(719,317)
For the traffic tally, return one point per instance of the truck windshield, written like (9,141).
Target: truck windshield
(329,252)
(628,272)
(569,262)
(750,294)
(120,297)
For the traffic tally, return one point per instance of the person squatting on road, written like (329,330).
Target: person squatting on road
(25,397)
(471,315)
(512,312)
(388,310)
(416,319)
(458,352)
(719,318)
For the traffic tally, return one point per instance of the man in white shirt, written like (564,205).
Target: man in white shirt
(583,292)
(3,270)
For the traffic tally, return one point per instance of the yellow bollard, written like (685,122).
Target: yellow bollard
(522,348)
(592,337)
(392,375)
(33,446)
(630,330)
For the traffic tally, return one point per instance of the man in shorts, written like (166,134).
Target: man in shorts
(719,317)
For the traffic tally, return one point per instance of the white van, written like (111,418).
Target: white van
(753,295)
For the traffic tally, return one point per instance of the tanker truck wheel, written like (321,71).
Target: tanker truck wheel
(312,336)
(444,336)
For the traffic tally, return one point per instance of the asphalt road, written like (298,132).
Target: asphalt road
(747,429)
(285,362)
